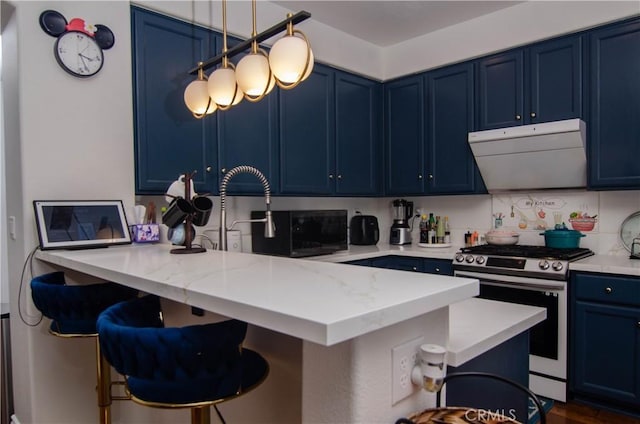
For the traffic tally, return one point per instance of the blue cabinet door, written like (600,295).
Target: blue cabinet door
(555,75)
(358,109)
(247,135)
(437,266)
(606,360)
(404,136)
(307,136)
(501,90)
(614,117)
(168,139)
(451,167)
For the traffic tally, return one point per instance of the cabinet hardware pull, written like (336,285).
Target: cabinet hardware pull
(339,176)
(223,170)
(208,169)
(533,114)
(518,117)
(419,176)
(414,268)
(331,176)
(437,269)
(608,290)
(431,176)
(638,324)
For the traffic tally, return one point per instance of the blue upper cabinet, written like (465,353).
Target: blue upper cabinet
(358,111)
(556,80)
(614,116)
(451,167)
(404,136)
(501,90)
(307,136)
(168,139)
(540,83)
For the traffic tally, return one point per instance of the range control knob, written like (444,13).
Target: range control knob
(557,266)
(469,259)
(480,260)
(459,258)
(543,265)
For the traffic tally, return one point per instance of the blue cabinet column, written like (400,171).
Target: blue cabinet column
(358,161)
(451,167)
(168,140)
(404,136)
(501,90)
(307,135)
(614,116)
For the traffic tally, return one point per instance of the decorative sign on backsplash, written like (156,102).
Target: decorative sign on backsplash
(535,212)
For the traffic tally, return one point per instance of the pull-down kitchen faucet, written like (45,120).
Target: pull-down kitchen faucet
(269,227)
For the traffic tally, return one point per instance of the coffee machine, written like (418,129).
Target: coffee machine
(400,230)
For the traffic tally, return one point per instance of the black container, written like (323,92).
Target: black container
(363,230)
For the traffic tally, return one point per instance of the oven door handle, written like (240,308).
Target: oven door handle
(512,281)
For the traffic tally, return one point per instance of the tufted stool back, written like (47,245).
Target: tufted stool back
(177,366)
(75,309)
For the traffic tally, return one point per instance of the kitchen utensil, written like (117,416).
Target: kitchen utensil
(502,237)
(177,212)
(562,238)
(629,230)
(202,206)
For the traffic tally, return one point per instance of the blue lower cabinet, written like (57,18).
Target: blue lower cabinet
(437,266)
(360,262)
(409,263)
(509,360)
(605,340)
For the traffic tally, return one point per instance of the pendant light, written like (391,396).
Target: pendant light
(222,85)
(196,96)
(291,58)
(253,73)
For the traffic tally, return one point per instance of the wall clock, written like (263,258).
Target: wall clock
(79,46)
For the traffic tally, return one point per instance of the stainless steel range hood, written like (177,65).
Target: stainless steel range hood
(532,157)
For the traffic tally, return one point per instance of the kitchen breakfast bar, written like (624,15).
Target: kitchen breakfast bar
(327,329)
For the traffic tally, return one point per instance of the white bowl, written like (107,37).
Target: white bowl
(501,237)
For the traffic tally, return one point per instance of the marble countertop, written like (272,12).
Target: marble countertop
(325,303)
(608,264)
(478,325)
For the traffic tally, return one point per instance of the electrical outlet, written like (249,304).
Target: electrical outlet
(403,358)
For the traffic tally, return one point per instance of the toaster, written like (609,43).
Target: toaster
(363,230)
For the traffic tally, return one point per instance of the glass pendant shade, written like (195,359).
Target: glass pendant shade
(288,58)
(253,75)
(223,87)
(196,97)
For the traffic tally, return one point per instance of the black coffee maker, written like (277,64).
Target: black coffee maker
(400,230)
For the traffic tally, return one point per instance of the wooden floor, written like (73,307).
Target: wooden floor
(575,413)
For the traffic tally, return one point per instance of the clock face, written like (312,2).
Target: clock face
(78,54)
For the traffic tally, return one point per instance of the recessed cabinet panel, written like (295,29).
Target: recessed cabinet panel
(501,90)
(451,166)
(306,135)
(168,139)
(358,165)
(247,135)
(404,136)
(614,120)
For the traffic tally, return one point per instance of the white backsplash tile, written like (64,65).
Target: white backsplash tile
(469,212)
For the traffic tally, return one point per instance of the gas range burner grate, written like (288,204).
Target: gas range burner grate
(536,252)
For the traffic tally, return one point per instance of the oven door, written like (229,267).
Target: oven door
(547,339)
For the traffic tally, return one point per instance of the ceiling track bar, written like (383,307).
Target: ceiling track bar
(264,35)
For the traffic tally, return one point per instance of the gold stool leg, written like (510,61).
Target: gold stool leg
(201,415)
(103,374)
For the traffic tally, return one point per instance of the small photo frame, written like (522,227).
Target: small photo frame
(80,224)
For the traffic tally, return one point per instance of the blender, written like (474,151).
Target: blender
(400,230)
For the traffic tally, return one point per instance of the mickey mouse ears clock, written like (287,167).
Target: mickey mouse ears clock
(78,47)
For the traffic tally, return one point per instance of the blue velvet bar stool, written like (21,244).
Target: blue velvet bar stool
(74,310)
(178,367)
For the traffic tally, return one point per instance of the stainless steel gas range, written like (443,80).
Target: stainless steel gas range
(531,275)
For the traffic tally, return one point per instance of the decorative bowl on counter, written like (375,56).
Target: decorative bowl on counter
(582,224)
(502,237)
